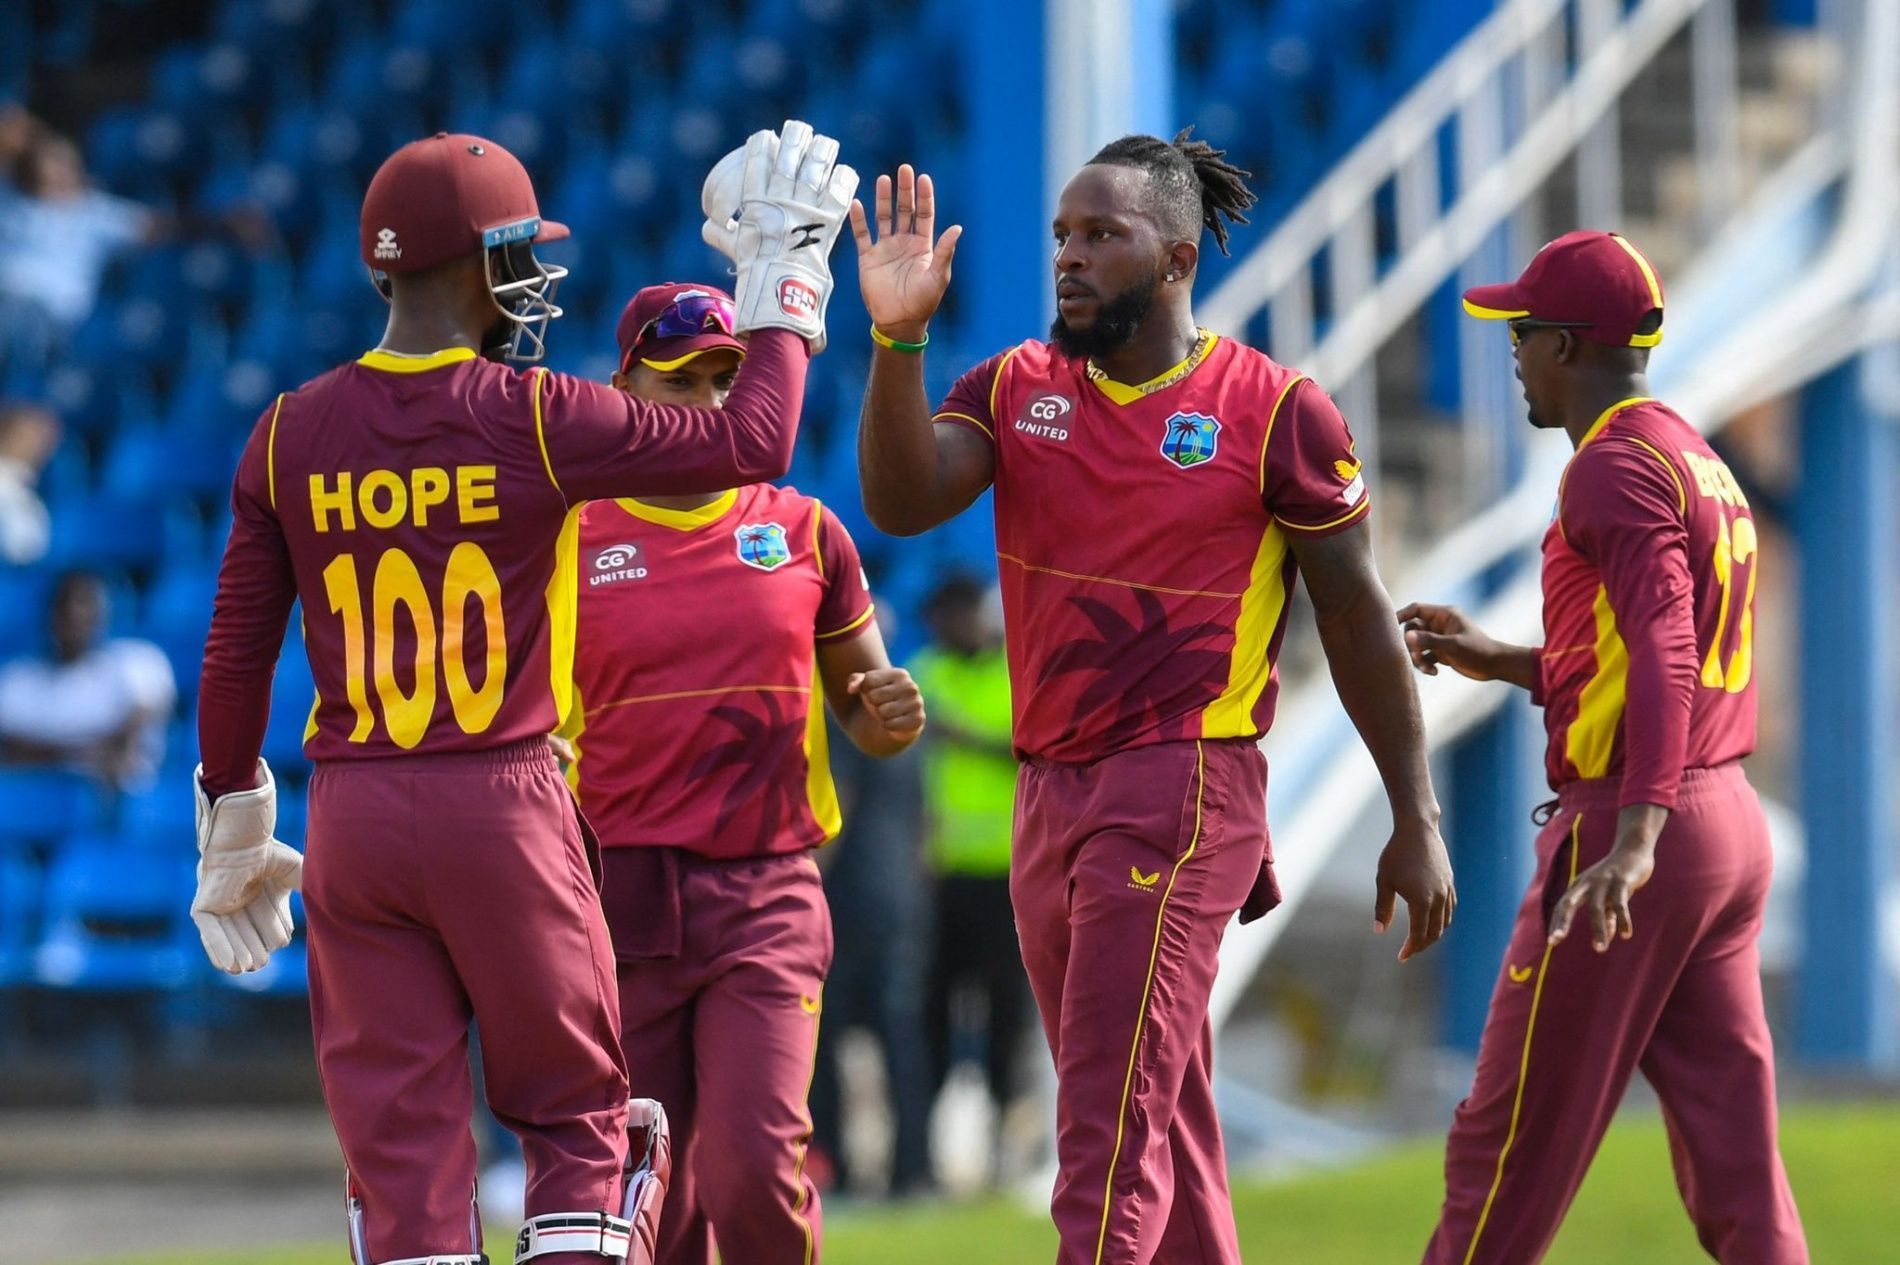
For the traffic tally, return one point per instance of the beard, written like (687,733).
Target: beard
(1116,321)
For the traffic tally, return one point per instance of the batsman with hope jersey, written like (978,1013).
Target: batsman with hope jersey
(420,502)
(1646,678)
(1158,488)
(714,629)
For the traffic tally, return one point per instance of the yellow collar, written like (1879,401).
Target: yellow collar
(1603,418)
(408,362)
(1124,393)
(680,520)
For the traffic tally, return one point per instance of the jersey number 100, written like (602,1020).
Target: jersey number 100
(398,583)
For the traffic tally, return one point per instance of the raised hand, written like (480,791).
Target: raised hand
(904,271)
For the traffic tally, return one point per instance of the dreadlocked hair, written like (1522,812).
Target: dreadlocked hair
(1194,186)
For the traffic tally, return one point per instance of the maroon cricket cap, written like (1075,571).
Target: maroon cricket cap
(448,195)
(1595,281)
(669,324)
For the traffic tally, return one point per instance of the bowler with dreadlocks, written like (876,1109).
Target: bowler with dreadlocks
(1158,487)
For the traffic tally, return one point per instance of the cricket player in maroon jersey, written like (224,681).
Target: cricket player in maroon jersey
(714,628)
(423,503)
(1646,678)
(1158,487)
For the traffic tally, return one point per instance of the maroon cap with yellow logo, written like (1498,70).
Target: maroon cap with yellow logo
(667,325)
(1593,282)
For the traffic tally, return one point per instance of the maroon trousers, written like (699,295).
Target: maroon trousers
(1681,1000)
(722,968)
(1125,875)
(442,889)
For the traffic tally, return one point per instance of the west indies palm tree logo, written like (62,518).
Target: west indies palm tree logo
(758,752)
(1146,666)
(1191,439)
(762,545)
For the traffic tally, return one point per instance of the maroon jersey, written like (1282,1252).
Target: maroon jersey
(416,505)
(699,717)
(1647,666)
(1143,537)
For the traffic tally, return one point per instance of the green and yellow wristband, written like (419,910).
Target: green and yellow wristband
(882,339)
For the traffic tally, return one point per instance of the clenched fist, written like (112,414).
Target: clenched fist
(892,699)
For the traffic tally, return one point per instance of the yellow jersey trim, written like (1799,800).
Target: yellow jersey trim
(817,521)
(1365,504)
(1603,418)
(853,626)
(409,362)
(1682,493)
(1591,738)
(821,793)
(705,693)
(1272,418)
(1126,393)
(571,729)
(1493,313)
(563,599)
(540,430)
(1231,714)
(1109,579)
(270,452)
(680,520)
(1147,993)
(974,421)
(996,382)
(1523,1065)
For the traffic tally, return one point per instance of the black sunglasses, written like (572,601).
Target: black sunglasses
(1529,324)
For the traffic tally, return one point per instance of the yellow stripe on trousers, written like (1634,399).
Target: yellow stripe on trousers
(804,1144)
(1524,1063)
(1147,991)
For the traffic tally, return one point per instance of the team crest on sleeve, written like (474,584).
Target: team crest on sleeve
(1191,439)
(762,545)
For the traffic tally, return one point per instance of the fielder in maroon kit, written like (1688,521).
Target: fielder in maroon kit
(1158,488)
(1646,677)
(423,503)
(713,630)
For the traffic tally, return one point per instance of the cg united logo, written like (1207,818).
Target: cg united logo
(1045,418)
(762,545)
(618,562)
(1191,439)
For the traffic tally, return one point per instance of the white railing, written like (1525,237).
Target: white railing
(1739,352)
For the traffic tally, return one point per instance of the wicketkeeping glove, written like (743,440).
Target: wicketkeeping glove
(245,877)
(792,198)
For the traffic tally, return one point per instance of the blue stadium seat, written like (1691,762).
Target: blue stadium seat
(19,917)
(147,461)
(117,919)
(292,692)
(178,615)
(41,806)
(104,534)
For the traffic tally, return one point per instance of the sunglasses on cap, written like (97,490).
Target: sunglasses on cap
(689,315)
(1529,325)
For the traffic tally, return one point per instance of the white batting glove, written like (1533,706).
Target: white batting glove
(245,877)
(792,198)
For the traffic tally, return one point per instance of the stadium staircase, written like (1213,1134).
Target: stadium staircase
(1761,167)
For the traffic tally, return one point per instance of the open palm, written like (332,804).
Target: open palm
(905,270)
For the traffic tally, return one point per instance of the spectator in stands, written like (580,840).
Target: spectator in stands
(98,704)
(28,437)
(17,127)
(970,797)
(874,883)
(60,234)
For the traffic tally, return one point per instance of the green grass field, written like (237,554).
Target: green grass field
(1842,1159)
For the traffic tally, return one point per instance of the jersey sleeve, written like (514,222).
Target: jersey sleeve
(1309,478)
(971,402)
(256,587)
(1623,512)
(599,443)
(845,609)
